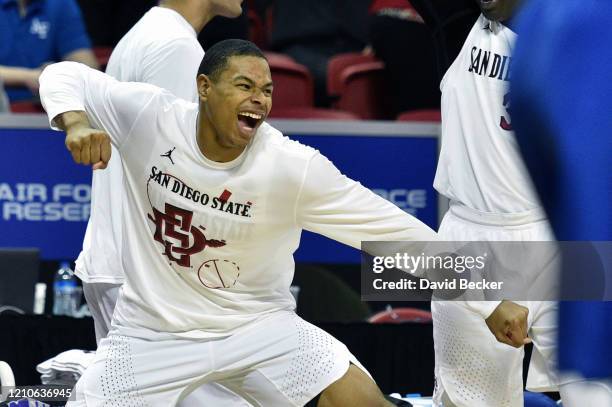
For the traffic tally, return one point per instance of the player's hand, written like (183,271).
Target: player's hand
(509,324)
(89,146)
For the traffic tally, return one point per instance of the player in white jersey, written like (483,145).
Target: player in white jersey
(216,200)
(491,199)
(161,49)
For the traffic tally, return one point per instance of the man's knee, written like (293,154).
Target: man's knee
(355,388)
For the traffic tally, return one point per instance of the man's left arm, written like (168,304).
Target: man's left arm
(333,205)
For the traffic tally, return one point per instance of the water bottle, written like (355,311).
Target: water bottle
(67,295)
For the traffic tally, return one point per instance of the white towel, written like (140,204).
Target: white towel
(65,368)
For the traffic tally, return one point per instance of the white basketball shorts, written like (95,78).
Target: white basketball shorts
(277,360)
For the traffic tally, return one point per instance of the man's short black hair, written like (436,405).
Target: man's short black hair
(215,59)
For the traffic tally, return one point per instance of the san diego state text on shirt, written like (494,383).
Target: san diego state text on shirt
(487,63)
(221,203)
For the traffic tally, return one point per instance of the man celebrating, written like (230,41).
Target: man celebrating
(208,237)
(161,49)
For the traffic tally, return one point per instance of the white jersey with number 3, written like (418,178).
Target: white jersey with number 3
(480,165)
(481,170)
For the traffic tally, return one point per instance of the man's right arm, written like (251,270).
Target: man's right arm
(94,100)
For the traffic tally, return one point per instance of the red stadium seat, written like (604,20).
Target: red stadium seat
(400,315)
(293,83)
(357,82)
(311,113)
(424,115)
(26,107)
(338,63)
(362,90)
(102,56)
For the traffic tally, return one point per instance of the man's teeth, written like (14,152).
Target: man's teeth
(251,115)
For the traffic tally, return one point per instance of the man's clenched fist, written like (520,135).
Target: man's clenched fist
(509,324)
(87,145)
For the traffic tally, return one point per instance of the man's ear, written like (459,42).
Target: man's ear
(204,85)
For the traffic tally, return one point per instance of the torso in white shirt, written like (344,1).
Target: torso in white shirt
(214,241)
(208,246)
(145,54)
(480,165)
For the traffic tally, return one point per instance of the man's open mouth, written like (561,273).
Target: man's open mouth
(248,121)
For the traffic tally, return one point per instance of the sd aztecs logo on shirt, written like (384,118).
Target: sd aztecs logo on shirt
(184,240)
(181,239)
